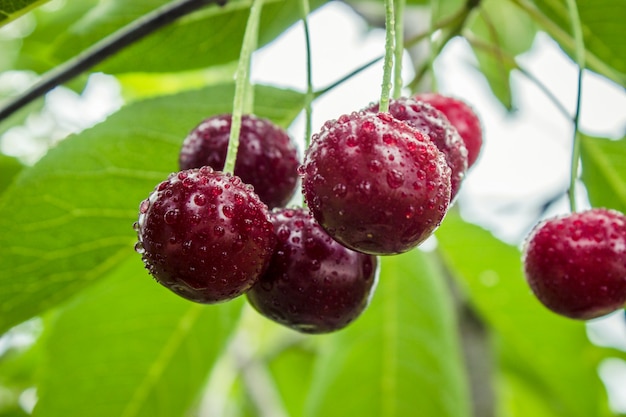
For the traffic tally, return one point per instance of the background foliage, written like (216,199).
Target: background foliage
(109,342)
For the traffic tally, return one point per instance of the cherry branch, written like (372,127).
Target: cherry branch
(105,48)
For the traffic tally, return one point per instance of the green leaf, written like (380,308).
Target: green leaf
(210,36)
(9,168)
(509,40)
(602,23)
(400,356)
(550,356)
(604,171)
(67,220)
(129,347)
(12,9)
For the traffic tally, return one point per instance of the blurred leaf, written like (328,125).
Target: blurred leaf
(12,9)
(67,220)
(603,32)
(36,51)
(401,357)
(211,36)
(9,168)
(604,171)
(510,39)
(547,352)
(292,370)
(129,347)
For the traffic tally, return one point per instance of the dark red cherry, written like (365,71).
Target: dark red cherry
(313,284)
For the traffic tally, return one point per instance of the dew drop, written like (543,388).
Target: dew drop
(352,141)
(139,248)
(144,206)
(136,226)
(199,199)
(228,211)
(375,165)
(171,216)
(340,190)
(395,178)
(283,233)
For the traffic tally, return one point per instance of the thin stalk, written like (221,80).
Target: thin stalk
(454,27)
(399,48)
(389,53)
(580,61)
(564,38)
(510,60)
(432,54)
(103,49)
(407,44)
(308,99)
(242,83)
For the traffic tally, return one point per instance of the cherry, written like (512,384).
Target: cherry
(266,158)
(375,184)
(431,121)
(576,264)
(313,284)
(205,235)
(462,117)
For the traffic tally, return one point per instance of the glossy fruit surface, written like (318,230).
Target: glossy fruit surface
(266,157)
(375,184)
(313,284)
(431,121)
(462,117)
(576,264)
(205,235)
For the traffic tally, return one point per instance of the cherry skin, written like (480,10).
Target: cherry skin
(313,284)
(463,118)
(576,264)
(375,184)
(205,235)
(267,158)
(431,121)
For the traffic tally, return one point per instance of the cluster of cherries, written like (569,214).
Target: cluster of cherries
(375,183)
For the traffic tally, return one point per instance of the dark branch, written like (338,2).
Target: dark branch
(104,49)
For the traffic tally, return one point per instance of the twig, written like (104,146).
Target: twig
(104,49)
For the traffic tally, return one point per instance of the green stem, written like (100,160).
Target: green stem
(399,49)
(580,60)
(242,83)
(407,44)
(510,60)
(308,99)
(389,53)
(432,54)
(454,27)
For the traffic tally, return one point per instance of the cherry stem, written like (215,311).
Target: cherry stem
(389,54)
(580,61)
(511,61)
(103,49)
(432,50)
(454,26)
(408,43)
(243,96)
(398,47)
(308,98)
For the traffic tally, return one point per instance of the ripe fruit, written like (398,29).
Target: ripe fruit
(375,184)
(576,264)
(462,117)
(266,157)
(313,284)
(431,121)
(205,235)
